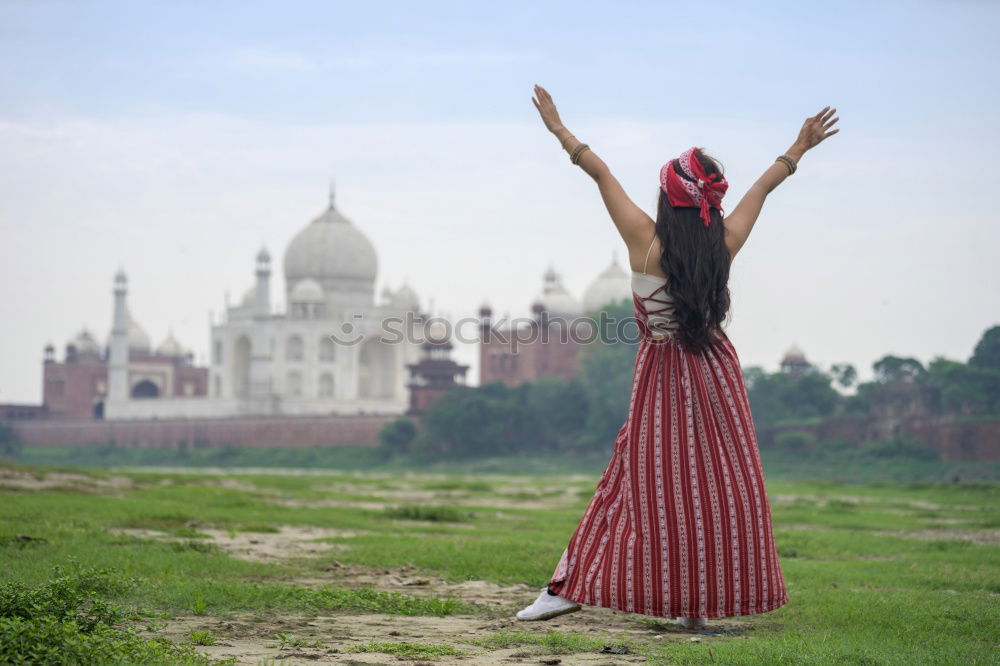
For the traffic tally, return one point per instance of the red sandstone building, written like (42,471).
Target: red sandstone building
(551,342)
(434,374)
(76,387)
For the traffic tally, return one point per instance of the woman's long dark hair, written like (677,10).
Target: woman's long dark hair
(695,260)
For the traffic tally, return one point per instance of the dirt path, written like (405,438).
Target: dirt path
(328,637)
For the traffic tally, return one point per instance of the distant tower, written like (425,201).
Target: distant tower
(794,362)
(118,390)
(435,373)
(485,316)
(262,296)
(260,354)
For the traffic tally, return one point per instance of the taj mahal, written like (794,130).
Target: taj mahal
(334,350)
(289,363)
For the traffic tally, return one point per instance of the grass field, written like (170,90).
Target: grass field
(374,568)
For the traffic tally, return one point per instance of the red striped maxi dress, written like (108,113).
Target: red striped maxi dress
(680,524)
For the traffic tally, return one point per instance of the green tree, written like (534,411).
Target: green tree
(986,355)
(10,443)
(844,374)
(398,436)
(489,420)
(777,397)
(560,408)
(795,441)
(891,368)
(606,373)
(964,388)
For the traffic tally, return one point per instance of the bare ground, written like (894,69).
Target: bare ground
(289,541)
(328,638)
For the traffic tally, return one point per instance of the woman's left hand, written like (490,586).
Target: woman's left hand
(547,109)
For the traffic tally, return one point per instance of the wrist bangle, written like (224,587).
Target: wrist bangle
(575,157)
(788,162)
(563,142)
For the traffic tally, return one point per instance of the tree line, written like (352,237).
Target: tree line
(584,414)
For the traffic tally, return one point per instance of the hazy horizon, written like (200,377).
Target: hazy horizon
(175,139)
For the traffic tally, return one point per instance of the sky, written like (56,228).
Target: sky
(174,139)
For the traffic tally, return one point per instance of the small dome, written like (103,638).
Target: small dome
(438,333)
(330,249)
(611,286)
(794,355)
(170,347)
(138,339)
(555,298)
(405,298)
(249,297)
(85,343)
(263,256)
(307,291)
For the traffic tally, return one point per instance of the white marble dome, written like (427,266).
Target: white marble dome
(85,343)
(405,298)
(170,347)
(330,250)
(556,299)
(138,339)
(307,291)
(611,286)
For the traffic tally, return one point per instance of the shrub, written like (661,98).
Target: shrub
(397,436)
(796,441)
(10,443)
(901,447)
(64,621)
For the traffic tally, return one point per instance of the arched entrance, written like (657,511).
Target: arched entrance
(145,389)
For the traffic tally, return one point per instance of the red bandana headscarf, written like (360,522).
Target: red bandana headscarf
(699,190)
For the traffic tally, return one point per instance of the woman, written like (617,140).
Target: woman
(680,524)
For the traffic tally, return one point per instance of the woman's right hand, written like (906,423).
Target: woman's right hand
(816,128)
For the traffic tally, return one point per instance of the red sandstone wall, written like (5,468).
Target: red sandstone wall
(276,431)
(956,440)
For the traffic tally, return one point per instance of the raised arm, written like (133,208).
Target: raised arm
(633,224)
(740,221)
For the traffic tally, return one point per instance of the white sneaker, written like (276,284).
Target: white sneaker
(693,622)
(547,606)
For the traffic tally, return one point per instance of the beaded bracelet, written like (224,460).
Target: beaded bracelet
(575,157)
(563,142)
(788,162)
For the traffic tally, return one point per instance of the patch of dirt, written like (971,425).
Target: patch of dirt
(252,638)
(980,537)
(21,480)
(290,541)
(822,500)
(432,498)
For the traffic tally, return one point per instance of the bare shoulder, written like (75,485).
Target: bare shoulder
(645,243)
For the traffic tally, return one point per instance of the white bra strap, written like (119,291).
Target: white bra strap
(648,251)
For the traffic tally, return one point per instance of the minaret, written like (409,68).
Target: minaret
(262,298)
(260,348)
(118,354)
